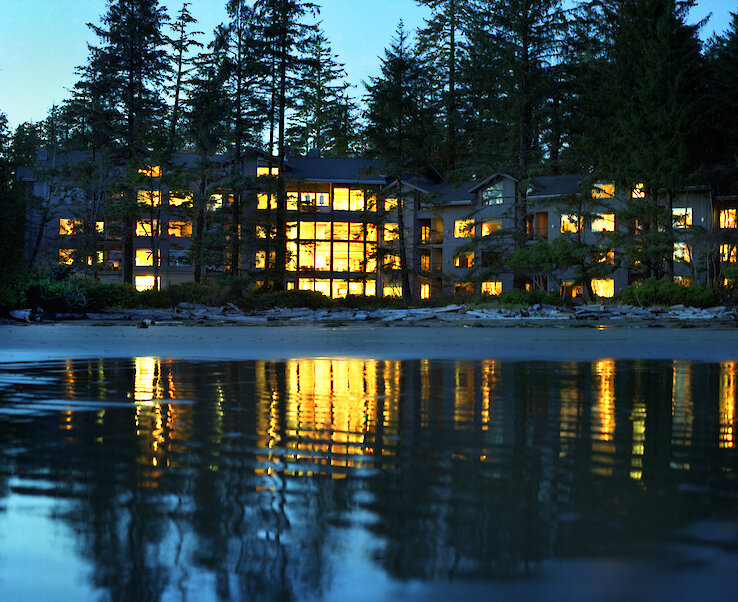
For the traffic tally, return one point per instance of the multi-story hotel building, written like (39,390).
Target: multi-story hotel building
(345,226)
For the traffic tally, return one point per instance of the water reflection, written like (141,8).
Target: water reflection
(263,480)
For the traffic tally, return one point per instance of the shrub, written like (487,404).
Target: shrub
(666,292)
(309,299)
(111,295)
(533,297)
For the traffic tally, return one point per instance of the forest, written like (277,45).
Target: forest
(619,90)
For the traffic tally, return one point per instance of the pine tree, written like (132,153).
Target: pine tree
(397,126)
(240,51)
(285,33)
(127,70)
(319,120)
(654,102)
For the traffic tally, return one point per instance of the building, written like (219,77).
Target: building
(349,225)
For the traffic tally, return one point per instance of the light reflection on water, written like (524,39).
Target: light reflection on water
(264,480)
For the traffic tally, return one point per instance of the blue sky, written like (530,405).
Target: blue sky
(42,41)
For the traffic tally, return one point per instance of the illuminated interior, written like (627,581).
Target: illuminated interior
(728,253)
(603,418)
(265,201)
(145,258)
(264,171)
(728,218)
(491,225)
(682,217)
(603,287)
(66,256)
(603,191)
(151,198)
(147,227)
(463,228)
(604,223)
(180,229)
(570,223)
(464,260)
(69,226)
(145,282)
(493,287)
(151,171)
(177,200)
(682,252)
(638,192)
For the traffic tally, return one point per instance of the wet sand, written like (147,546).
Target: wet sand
(81,340)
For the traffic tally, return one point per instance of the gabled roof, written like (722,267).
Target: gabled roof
(453,194)
(487,181)
(555,186)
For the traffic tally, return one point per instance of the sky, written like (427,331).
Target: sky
(43,41)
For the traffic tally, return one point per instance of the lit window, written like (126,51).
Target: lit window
(571,290)
(340,199)
(356,201)
(392,290)
(100,227)
(492,288)
(682,217)
(291,256)
(151,171)
(292,202)
(176,200)
(149,197)
(463,287)
(728,218)
(682,280)
(264,171)
(66,256)
(608,257)
(371,203)
(681,252)
(144,258)
(323,230)
(144,228)
(371,232)
(323,256)
(143,283)
(637,192)
(215,202)
(323,286)
(463,228)
(340,289)
(603,191)
(260,259)
(728,253)
(425,262)
(390,204)
(180,229)
(464,260)
(425,291)
(265,201)
(305,284)
(391,232)
(291,231)
(494,194)
(604,223)
(570,223)
(69,226)
(391,261)
(491,225)
(604,287)
(290,286)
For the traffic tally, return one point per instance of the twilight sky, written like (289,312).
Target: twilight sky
(42,41)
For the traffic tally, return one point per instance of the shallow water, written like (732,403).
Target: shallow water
(151,479)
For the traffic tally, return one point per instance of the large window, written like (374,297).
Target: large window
(180,229)
(340,199)
(604,223)
(728,218)
(464,260)
(681,252)
(149,197)
(493,287)
(681,217)
(147,227)
(265,201)
(491,225)
(264,171)
(728,253)
(145,258)
(604,287)
(391,232)
(69,226)
(463,228)
(570,223)
(179,199)
(494,194)
(603,190)
(146,282)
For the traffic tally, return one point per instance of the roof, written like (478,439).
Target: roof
(337,170)
(550,186)
(478,185)
(453,194)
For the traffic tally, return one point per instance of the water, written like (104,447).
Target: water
(151,479)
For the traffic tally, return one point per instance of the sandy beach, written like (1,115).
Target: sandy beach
(34,342)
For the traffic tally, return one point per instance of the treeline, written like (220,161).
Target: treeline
(621,90)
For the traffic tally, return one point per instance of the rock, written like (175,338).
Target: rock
(677,307)
(70,316)
(448,308)
(143,324)
(22,315)
(105,316)
(361,316)
(190,306)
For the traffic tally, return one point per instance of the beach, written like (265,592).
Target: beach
(76,340)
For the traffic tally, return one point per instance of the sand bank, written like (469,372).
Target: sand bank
(82,340)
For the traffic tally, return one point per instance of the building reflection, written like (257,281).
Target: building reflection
(727,404)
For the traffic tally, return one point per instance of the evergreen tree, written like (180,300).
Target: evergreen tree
(240,50)
(397,127)
(127,70)
(285,33)
(320,120)
(654,99)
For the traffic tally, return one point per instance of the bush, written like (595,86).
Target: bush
(309,299)
(666,292)
(533,297)
(117,296)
